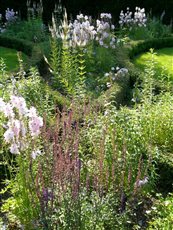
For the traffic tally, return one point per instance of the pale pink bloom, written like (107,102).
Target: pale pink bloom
(32,112)
(9,135)
(8,110)
(23,110)
(14,149)
(14,100)
(23,129)
(35,124)
(16,127)
(19,103)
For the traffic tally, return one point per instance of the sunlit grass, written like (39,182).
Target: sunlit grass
(163,58)
(10,58)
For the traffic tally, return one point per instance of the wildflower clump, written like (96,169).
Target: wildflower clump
(23,124)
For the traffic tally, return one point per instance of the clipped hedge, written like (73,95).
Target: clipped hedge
(20,45)
(144,46)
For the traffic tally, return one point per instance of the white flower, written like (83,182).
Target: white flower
(32,112)
(140,183)
(35,153)
(2,104)
(35,124)
(14,149)
(106,74)
(112,27)
(9,135)
(16,127)
(8,110)
(108,84)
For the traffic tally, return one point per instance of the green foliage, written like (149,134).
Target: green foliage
(161,213)
(67,68)
(94,156)
(157,29)
(39,94)
(32,30)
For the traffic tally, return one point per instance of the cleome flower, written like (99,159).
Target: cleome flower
(128,19)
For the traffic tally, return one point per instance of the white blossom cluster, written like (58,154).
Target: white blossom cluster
(83,30)
(23,123)
(10,15)
(105,29)
(115,74)
(129,19)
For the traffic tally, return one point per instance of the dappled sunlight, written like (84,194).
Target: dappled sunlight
(163,59)
(10,58)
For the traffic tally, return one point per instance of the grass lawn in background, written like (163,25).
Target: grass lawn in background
(10,58)
(164,59)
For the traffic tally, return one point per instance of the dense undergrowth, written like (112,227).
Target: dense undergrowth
(86,141)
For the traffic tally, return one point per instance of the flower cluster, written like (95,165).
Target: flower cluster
(129,19)
(23,123)
(10,15)
(83,30)
(140,17)
(105,30)
(115,74)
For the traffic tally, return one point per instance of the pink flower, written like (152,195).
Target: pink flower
(8,110)
(35,124)
(9,135)
(20,104)
(14,149)
(32,112)
(23,129)
(16,127)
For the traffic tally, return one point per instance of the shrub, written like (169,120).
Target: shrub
(18,44)
(156,43)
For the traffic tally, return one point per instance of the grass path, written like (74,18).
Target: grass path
(10,58)
(164,59)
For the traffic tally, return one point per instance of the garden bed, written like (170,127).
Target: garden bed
(86,139)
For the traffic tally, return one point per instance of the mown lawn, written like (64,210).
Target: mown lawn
(163,58)
(10,58)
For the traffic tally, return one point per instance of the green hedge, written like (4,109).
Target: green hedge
(144,46)
(21,45)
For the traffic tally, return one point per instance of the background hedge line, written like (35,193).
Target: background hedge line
(144,46)
(20,45)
